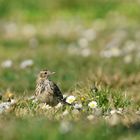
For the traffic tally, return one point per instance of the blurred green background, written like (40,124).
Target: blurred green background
(40,11)
(67,37)
(83,41)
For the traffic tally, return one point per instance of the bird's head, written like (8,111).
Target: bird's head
(45,74)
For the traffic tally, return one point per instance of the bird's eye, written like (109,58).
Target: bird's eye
(45,72)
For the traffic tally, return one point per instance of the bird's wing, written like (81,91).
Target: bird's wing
(56,90)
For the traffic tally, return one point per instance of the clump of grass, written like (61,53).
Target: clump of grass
(109,99)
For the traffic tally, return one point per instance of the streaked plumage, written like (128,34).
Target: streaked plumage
(46,90)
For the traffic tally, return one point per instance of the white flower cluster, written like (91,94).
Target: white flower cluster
(24,64)
(70,99)
(7,64)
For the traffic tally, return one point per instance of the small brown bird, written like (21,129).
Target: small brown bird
(46,90)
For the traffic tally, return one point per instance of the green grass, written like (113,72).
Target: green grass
(44,10)
(41,129)
(111,82)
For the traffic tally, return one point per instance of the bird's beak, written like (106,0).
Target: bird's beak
(51,73)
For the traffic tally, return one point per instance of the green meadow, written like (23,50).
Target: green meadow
(94,48)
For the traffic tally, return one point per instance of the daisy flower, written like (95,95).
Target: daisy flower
(70,99)
(92,104)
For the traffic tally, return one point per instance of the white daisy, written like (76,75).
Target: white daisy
(70,99)
(92,104)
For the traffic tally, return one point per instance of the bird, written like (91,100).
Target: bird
(46,90)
